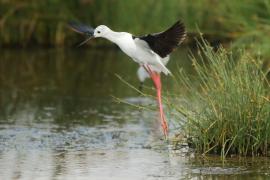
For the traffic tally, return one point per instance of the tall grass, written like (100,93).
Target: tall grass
(231,111)
(31,22)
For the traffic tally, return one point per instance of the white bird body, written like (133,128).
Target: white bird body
(137,49)
(150,51)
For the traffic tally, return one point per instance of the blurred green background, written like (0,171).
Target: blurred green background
(44,23)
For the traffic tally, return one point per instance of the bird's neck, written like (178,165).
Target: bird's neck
(113,36)
(123,40)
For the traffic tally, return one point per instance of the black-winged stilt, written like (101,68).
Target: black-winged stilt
(150,51)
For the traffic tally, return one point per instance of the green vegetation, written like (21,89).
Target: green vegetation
(24,23)
(230,113)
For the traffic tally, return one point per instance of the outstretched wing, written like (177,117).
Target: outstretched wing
(165,42)
(81,28)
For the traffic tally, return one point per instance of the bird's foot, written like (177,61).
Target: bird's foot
(164,125)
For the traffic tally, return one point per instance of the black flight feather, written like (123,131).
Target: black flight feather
(165,42)
(81,28)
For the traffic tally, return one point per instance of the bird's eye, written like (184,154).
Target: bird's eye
(98,32)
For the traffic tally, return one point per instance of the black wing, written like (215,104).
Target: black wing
(81,28)
(165,42)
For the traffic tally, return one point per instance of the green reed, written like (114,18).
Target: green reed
(230,108)
(26,23)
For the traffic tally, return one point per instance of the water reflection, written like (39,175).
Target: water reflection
(58,121)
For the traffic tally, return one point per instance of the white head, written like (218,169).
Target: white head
(101,31)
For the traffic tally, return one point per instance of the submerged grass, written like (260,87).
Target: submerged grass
(231,113)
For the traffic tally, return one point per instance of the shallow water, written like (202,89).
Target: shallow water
(58,120)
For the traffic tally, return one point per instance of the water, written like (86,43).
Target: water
(59,120)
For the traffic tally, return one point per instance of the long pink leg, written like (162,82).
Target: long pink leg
(157,82)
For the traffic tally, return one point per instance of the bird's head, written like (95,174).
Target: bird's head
(101,31)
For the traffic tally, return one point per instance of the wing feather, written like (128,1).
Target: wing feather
(165,42)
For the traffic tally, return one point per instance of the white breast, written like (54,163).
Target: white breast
(126,44)
(138,52)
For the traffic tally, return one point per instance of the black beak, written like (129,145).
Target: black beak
(88,31)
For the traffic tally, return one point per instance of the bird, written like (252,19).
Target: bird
(150,51)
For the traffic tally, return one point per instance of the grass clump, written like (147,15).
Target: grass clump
(231,113)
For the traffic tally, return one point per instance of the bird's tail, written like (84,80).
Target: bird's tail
(158,67)
(163,69)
